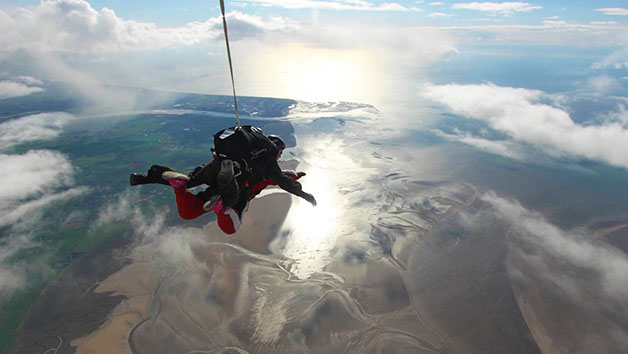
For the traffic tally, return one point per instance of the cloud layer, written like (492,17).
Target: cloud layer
(520,114)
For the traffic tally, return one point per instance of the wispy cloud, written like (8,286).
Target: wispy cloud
(519,113)
(571,263)
(11,276)
(355,5)
(503,8)
(603,84)
(614,11)
(617,60)
(506,148)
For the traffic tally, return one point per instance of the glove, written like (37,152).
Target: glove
(310,198)
(300,174)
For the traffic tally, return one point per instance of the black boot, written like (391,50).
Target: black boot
(137,178)
(226,172)
(153,176)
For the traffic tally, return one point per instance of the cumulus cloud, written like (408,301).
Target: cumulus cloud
(355,5)
(504,8)
(518,113)
(74,26)
(43,126)
(34,173)
(547,245)
(9,88)
(615,11)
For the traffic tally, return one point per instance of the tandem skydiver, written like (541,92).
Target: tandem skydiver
(244,163)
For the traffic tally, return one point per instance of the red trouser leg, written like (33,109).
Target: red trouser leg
(229,220)
(190,207)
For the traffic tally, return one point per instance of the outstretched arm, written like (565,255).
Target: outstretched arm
(287,183)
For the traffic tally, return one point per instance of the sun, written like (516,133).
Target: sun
(313,74)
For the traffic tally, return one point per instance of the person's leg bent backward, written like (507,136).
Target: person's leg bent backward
(189,206)
(229,220)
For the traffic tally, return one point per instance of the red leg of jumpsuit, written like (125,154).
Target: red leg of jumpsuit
(190,207)
(229,220)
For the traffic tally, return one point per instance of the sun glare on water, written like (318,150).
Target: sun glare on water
(315,231)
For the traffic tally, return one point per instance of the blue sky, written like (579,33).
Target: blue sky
(165,13)
(168,13)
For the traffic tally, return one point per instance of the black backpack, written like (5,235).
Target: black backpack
(242,143)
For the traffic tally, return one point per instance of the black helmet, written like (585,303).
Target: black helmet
(277,141)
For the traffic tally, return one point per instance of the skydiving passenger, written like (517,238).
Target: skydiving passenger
(229,219)
(245,162)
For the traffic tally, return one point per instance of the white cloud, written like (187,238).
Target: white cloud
(43,126)
(498,147)
(439,14)
(518,113)
(504,8)
(548,244)
(436,3)
(32,174)
(73,25)
(15,89)
(334,5)
(616,11)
